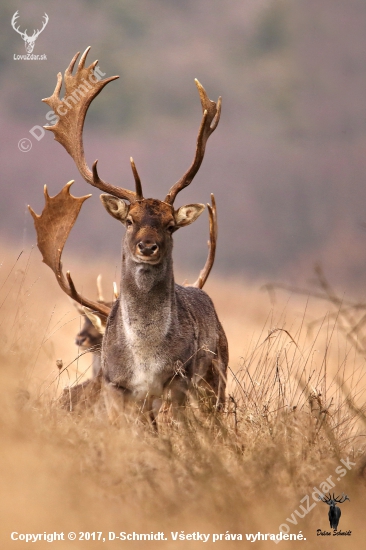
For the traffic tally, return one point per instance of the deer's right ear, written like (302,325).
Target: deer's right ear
(115,207)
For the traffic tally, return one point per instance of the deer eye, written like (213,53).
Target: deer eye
(128,222)
(171,228)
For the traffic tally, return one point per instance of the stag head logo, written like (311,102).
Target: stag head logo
(29,41)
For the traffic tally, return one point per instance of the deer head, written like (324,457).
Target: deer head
(150,224)
(91,333)
(29,40)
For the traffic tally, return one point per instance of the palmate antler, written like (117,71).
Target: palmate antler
(80,90)
(53,227)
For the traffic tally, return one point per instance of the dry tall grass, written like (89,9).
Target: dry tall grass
(287,425)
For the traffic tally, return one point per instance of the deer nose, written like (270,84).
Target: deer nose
(147,249)
(79,340)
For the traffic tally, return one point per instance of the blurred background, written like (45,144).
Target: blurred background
(287,163)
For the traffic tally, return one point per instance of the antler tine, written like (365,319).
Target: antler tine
(204,273)
(139,195)
(80,90)
(111,189)
(70,68)
(210,120)
(53,226)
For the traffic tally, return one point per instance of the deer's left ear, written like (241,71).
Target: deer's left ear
(115,207)
(186,215)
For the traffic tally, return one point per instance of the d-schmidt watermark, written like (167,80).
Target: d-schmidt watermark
(38,132)
(29,41)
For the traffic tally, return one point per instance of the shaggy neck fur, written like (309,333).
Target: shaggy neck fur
(148,302)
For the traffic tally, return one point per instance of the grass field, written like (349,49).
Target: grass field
(294,412)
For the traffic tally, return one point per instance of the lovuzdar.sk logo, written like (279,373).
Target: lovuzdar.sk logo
(29,41)
(334,514)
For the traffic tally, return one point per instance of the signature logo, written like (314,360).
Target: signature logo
(28,40)
(334,513)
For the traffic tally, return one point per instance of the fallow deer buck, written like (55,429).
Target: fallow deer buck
(160,337)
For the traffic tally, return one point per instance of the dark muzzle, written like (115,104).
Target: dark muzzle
(147,249)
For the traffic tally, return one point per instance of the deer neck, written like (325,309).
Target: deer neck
(147,299)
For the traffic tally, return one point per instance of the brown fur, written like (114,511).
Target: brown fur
(89,338)
(161,339)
